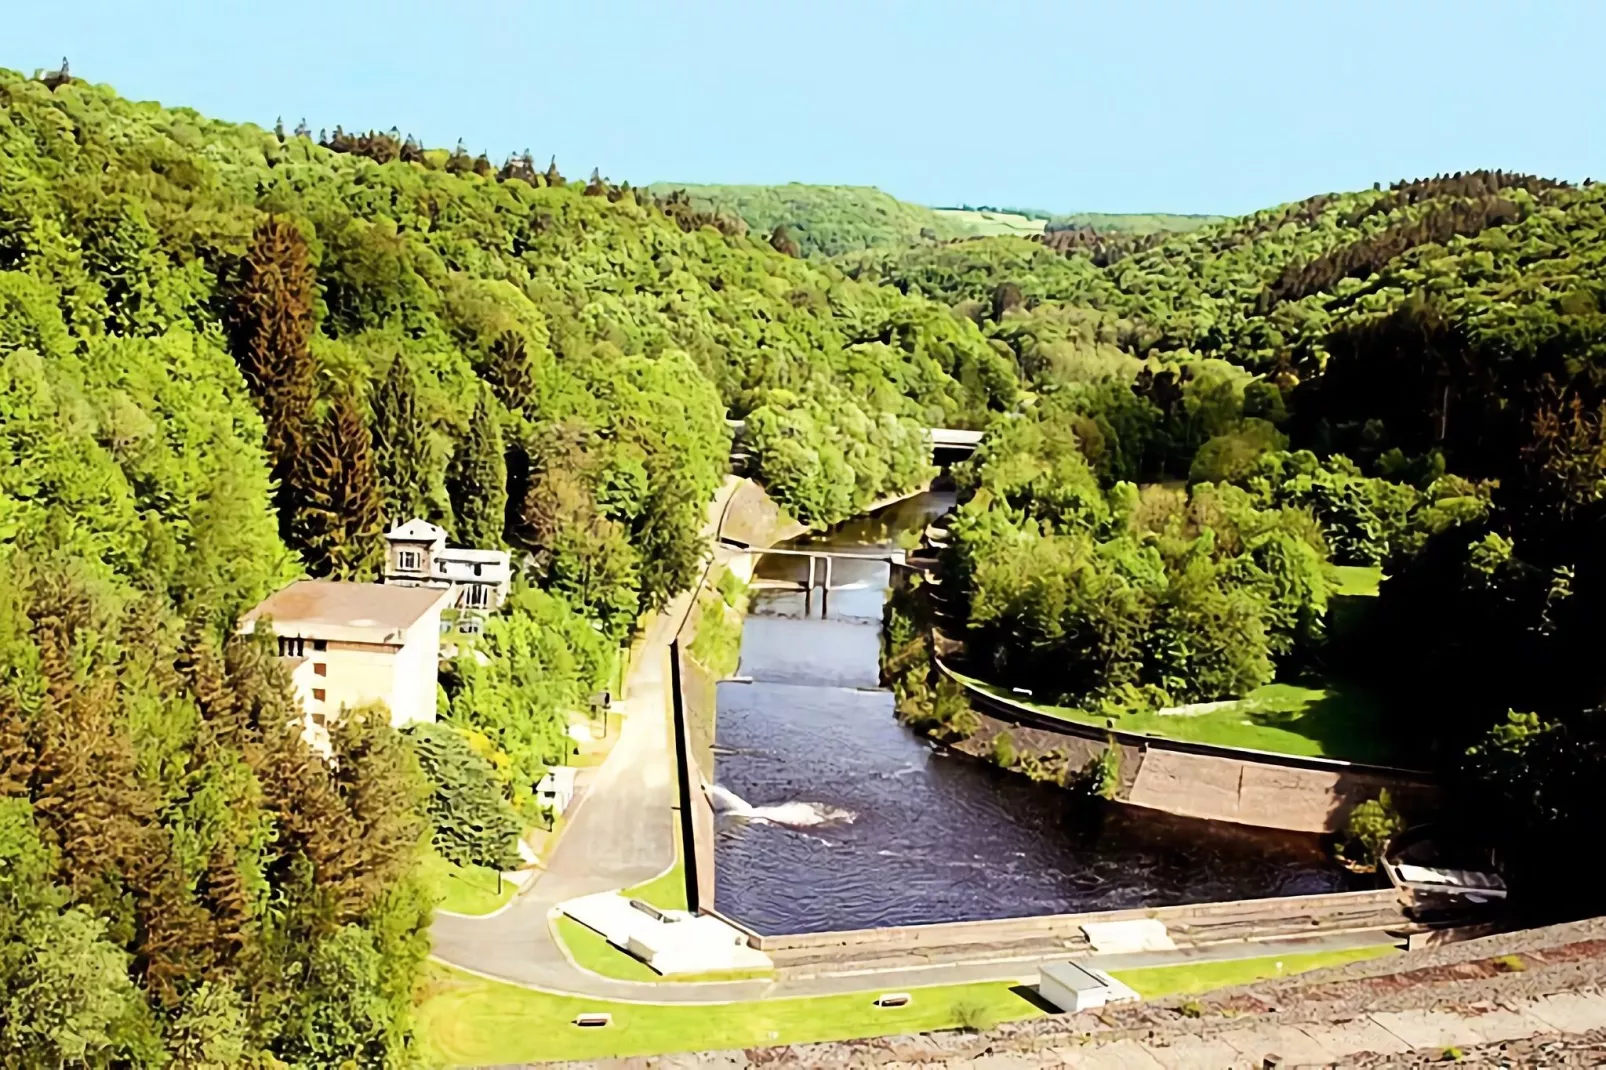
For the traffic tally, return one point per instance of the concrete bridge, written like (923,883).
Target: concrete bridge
(948,444)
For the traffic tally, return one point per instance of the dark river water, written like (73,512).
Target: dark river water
(838,817)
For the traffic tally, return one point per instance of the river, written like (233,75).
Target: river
(836,816)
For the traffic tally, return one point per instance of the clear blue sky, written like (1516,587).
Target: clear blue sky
(1130,105)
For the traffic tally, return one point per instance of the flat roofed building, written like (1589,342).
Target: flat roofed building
(417,556)
(1073,988)
(351,644)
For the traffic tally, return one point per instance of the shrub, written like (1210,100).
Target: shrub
(973,1016)
(1372,824)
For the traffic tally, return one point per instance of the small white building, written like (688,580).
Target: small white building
(1074,988)
(416,555)
(555,791)
(351,644)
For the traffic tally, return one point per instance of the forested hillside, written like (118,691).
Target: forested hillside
(231,356)
(825,221)
(1411,378)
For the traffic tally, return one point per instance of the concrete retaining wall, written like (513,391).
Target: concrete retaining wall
(751,518)
(1069,926)
(1257,788)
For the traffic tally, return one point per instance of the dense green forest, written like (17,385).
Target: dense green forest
(1411,378)
(231,356)
(824,221)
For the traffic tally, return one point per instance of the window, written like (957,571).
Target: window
(408,560)
(319,644)
(470,625)
(320,669)
(318,717)
(292,646)
(440,566)
(476,597)
(476,569)
(319,694)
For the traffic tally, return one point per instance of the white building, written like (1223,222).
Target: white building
(556,789)
(417,556)
(351,644)
(1074,988)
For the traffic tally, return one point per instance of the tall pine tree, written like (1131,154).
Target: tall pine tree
(270,324)
(477,480)
(510,371)
(337,524)
(401,446)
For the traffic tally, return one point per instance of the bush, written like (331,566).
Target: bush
(1372,824)
(1004,750)
(473,824)
(974,1016)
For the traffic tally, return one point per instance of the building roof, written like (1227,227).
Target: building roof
(354,612)
(1073,977)
(416,530)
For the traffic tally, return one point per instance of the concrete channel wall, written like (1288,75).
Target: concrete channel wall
(1069,926)
(750,518)
(1258,788)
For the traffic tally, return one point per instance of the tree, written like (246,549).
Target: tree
(339,512)
(781,241)
(510,371)
(473,823)
(477,479)
(402,454)
(270,324)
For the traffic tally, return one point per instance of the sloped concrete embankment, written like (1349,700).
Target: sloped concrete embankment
(1200,780)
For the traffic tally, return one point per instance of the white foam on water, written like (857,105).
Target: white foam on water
(790,814)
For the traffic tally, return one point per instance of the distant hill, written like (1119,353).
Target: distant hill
(988,221)
(825,220)
(832,220)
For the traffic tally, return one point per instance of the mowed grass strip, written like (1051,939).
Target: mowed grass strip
(591,951)
(1311,722)
(465,889)
(467,1021)
(1157,981)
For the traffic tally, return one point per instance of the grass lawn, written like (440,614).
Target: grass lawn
(1157,981)
(465,889)
(1284,718)
(667,891)
(467,1021)
(593,952)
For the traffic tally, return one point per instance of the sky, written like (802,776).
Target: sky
(1126,106)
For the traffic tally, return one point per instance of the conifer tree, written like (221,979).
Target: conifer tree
(337,520)
(477,480)
(402,453)
(270,324)
(510,370)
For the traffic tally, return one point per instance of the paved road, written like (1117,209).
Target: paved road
(621,832)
